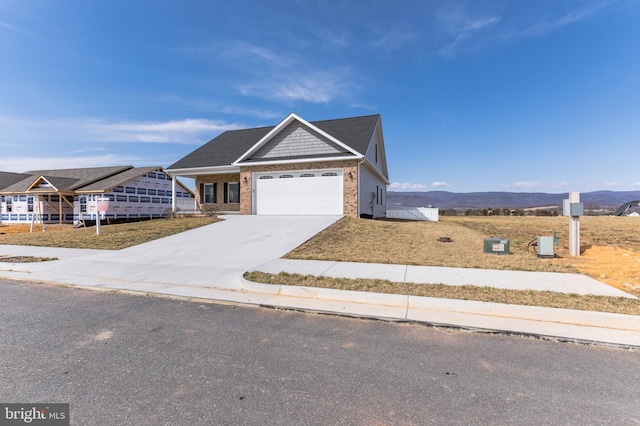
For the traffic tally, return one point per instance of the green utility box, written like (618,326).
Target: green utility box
(496,246)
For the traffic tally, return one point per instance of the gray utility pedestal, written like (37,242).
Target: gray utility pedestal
(545,247)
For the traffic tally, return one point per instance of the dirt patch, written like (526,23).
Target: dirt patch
(620,268)
(25,259)
(26,229)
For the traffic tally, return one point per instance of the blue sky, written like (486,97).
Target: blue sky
(503,95)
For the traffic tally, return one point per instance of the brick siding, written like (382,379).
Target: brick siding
(220,180)
(349,187)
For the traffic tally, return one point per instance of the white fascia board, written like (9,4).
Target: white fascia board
(375,170)
(211,170)
(305,160)
(37,181)
(284,123)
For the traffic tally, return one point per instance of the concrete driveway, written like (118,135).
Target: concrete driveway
(211,256)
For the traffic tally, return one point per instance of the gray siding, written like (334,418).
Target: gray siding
(369,202)
(376,142)
(297,140)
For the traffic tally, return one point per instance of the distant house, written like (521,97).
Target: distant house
(69,195)
(296,167)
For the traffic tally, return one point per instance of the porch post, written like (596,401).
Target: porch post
(173,194)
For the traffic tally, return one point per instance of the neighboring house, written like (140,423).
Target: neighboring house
(69,195)
(296,167)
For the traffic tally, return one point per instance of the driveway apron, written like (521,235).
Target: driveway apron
(216,255)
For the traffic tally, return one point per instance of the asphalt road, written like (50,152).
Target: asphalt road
(128,359)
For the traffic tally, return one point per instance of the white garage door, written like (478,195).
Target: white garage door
(310,192)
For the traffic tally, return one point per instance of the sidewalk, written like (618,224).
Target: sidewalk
(122,270)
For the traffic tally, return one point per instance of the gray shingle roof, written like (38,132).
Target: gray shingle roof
(121,178)
(355,132)
(64,179)
(8,179)
(83,176)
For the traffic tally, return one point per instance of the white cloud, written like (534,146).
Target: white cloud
(265,114)
(531,185)
(25,163)
(188,131)
(405,186)
(439,184)
(318,87)
(521,185)
(13,28)
(637,184)
(584,12)
(395,39)
(609,184)
(458,25)
(174,131)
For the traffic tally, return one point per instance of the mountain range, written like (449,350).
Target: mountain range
(512,200)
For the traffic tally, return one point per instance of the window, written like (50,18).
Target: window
(121,198)
(130,190)
(207,193)
(266,177)
(286,176)
(330,174)
(141,191)
(307,175)
(155,200)
(83,204)
(118,189)
(232,192)
(9,205)
(161,192)
(133,198)
(30,204)
(152,175)
(151,192)
(376,153)
(162,176)
(145,199)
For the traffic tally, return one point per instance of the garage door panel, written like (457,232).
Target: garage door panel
(299,195)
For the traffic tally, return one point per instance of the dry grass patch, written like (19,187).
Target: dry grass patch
(619,305)
(603,240)
(112,237)
(416,243)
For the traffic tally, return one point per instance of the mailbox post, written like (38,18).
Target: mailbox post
(103,206)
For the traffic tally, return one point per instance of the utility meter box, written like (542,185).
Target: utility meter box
(545,248)
(572,209)
(496,246)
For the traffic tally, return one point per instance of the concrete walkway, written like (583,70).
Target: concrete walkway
(209,262)
(515,280)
